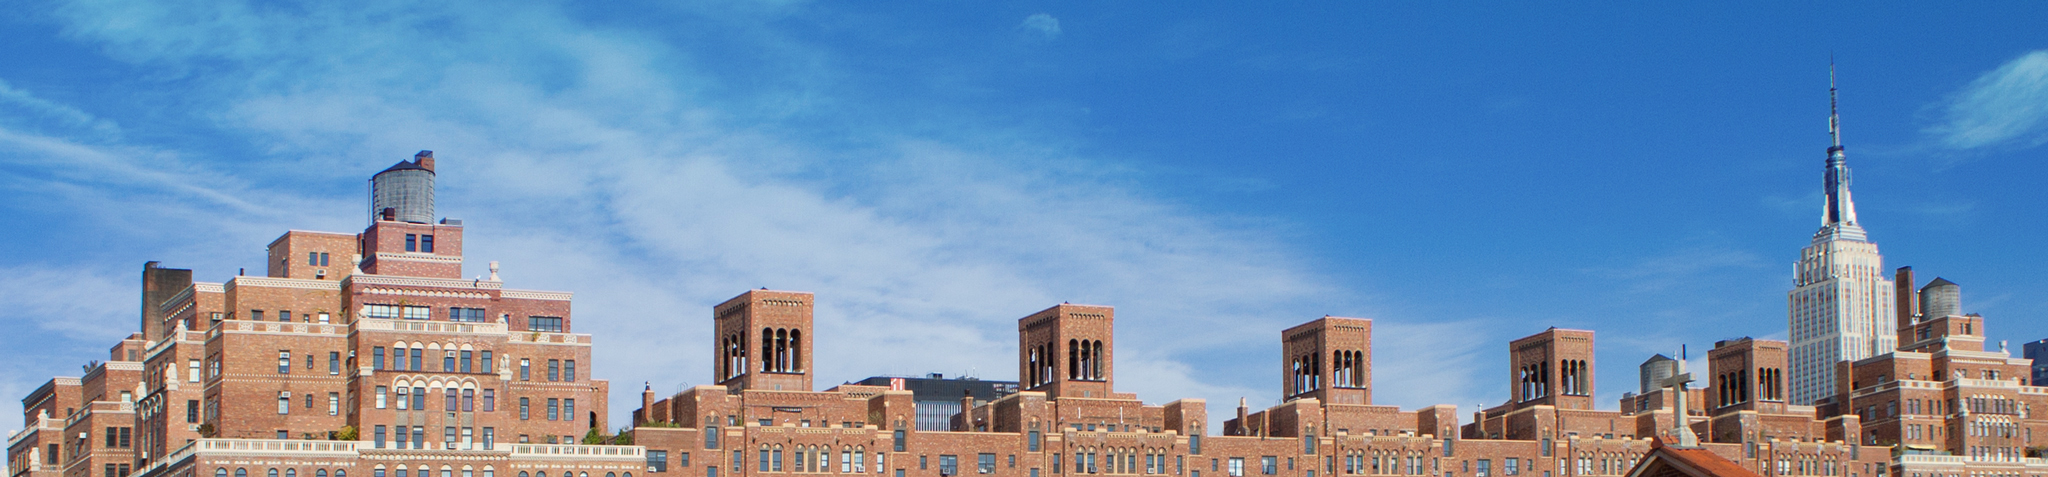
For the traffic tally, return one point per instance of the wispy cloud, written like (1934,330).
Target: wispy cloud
(41,111)
(1043,24)
(589,159)
(2006,107)
(1678,267)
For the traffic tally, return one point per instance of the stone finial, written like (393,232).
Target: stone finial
(494,271)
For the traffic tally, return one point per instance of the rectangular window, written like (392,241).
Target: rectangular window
(191,370)
(448,362)
(569,370)
(466,315)
(403,397)
(400,438)
(554,370)
(468,400)
(377,358)
(417,354)
(949,464)
(1032,443)
(1484,469)
(412,242)
(381,312)
(333,404)
(985,463)
(313,258)
(484,365)
(256,315)
(468,436)
(525,409)
(710,437)
(379,433)
(568,409)
(1267,465)
(323,259)
(1237,467)
(419,398)
(192,411)
(284,361)
(899,440)
(525,370)
(448,437)
(448,401)
(465,360)
(333,363)
(490,438)
(284,316)
(554,409)
(657,461)
(427,243)
(544,323)
(417,313)
(490,400)
(284,402)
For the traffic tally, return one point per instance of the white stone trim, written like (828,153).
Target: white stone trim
(270,282)
(538,295)
(368,279)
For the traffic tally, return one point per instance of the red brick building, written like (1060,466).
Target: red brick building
(354,352)
(368,353)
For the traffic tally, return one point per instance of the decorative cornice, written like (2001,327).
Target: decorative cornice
(538,295)
(368,279)
(418,257)
(427,293)
(272,282)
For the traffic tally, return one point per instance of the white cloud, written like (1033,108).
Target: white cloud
(586,159)
(2005,107)
(1042,23)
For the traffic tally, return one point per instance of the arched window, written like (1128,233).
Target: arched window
(220,472)
(796,350)
(340,473)
(241,472)
(273,472)
(767,349)
(320,473)
(1096,360)
(1074,359)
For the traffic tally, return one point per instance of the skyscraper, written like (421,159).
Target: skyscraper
(1840,306)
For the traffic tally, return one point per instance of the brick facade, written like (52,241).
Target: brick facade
(377,334)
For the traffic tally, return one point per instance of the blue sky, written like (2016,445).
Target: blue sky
(1464,175)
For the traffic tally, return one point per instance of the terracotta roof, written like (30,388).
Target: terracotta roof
(1665,461)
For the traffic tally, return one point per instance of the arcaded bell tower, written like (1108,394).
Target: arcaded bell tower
(764,341)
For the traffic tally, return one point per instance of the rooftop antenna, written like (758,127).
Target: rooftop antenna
(1834,115)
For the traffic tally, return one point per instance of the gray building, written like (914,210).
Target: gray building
(2037,351)
(938,398)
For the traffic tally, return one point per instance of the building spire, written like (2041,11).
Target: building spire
(1841,210)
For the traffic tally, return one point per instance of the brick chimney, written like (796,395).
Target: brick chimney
(425,159)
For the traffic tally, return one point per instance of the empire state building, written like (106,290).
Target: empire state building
(1840,306)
